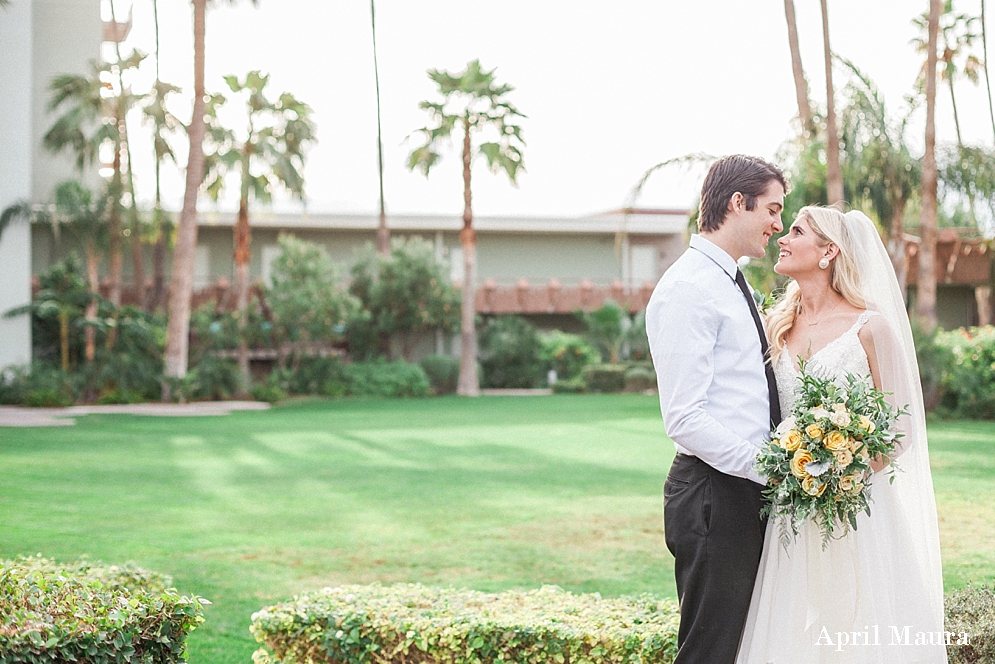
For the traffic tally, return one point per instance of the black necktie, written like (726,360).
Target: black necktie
(775,404)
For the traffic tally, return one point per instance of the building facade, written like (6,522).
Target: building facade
(39,39)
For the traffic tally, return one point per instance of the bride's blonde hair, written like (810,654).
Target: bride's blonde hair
(829,225)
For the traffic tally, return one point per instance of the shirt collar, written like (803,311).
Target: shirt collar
(712,250)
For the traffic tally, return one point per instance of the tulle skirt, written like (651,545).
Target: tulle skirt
(864,599)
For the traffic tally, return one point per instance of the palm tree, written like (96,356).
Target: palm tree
(181,282)
(988,82)
(87,102)
(82,217)
(128,100)
(927,248)
(956,39)
(76,212)
(879,168)
(383,234)
(801,85)
(834,176)
(277,137)
(62,296)
(163,124)
(473,102)
(957,36)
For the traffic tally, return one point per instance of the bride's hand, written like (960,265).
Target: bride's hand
(879,463)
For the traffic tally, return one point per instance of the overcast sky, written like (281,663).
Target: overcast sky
(609,88)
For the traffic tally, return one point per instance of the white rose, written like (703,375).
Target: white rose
(819,412)
(786,425)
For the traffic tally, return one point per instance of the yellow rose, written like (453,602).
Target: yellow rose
(853,444)
(867,423)
(811,486)
(798,462)
(844,458)
(835,441)
(792,441)
(813,431)
(857,488)
(846,483)
(861,454)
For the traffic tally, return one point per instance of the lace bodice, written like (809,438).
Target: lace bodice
(841,356)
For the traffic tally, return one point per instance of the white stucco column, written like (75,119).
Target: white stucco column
(16,153)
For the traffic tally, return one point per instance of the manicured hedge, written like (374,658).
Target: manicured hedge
(413,623)
(605,377)
(86,612)
(971,610)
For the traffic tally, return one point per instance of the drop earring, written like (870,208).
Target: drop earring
(824,263)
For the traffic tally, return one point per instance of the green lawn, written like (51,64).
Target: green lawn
(493,493)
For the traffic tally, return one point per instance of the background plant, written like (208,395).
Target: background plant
(510,353)
(403,295)
(305,299)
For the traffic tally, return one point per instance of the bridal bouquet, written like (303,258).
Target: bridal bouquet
(818,460)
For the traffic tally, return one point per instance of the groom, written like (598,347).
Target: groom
(718,399)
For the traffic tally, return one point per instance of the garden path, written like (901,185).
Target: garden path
(16,416)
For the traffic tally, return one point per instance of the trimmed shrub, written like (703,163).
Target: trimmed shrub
(969,374)
(605,377)
(41,386)
(971,610)
(215,378)
(386,379)
(268,392)
(90,613)
(312,374)
(442,372)
(510,353)
(933,359)
(413,623)
(570,386)
(567,354)
(639,379)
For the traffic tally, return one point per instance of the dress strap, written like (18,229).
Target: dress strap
(861,319)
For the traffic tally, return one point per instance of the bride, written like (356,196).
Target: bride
(874,596)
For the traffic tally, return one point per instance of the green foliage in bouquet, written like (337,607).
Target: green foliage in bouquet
(83,612)
(414,623)
(819,458)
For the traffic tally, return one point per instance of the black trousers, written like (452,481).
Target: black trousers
(713,527)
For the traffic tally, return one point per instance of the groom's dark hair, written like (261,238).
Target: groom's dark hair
(750,176)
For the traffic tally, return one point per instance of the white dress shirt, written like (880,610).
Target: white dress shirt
(706,351)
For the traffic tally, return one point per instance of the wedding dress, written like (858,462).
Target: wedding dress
(874,596)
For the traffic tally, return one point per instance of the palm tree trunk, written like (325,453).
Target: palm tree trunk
(469,382)
(960,141)
(834,177)
(383,234)
(159,249)
(988,82)
(801,85)
(927,248)
(181,284)
(137,259)
(953,103)
(243,237)
(90,313)
(896,246)
(114,224)
(137,252)
(64,339)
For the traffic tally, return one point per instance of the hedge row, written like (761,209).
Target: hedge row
(83,612)
(410,623)
(971,610)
